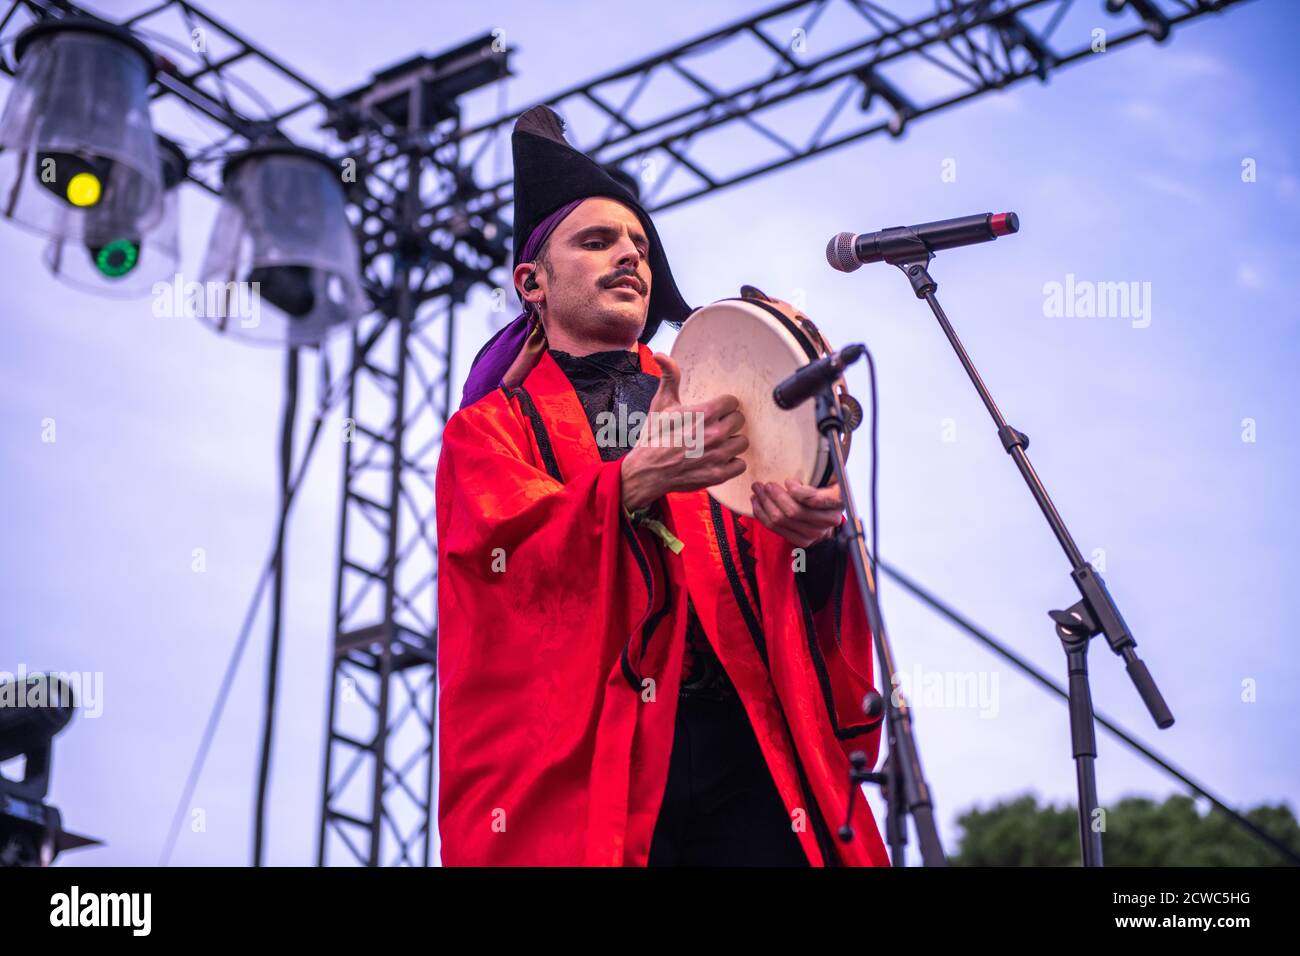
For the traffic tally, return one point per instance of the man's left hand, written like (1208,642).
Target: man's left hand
(800,513)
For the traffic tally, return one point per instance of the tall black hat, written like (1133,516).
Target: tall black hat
(549,173)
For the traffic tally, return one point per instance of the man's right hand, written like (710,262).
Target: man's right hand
(682,447)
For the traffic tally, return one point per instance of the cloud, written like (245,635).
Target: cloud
(1181,66)
(1248,277)
(1171,187)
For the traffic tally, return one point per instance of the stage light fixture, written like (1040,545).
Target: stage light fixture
(75,136)
(112,257)
(282,238)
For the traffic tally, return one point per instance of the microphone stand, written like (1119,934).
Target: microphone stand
(1094,613)
(901,781)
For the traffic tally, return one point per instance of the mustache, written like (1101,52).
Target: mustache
(624,274)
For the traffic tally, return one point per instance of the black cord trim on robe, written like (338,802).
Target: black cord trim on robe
(539,429)
(820,830)
(841,574)
(830,857)
(628,673)
(648,628)
(733,578)
(553,469)
(745,548)
(823,676)
(629,532)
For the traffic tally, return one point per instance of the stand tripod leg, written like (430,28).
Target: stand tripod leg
(1083,739)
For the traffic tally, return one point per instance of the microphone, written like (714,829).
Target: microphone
(846,252)
(814,376)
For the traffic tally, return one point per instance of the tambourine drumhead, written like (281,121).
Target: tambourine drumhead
(738,348)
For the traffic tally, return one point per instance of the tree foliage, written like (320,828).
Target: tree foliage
(1137,832)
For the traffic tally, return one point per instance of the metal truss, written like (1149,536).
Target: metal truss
(809,76)
(378,797)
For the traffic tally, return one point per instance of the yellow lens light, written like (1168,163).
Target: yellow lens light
(83,189)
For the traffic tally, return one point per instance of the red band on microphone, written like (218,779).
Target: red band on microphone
(1004,223)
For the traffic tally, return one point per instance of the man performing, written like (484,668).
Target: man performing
(629,673)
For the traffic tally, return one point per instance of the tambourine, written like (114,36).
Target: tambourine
(745,347)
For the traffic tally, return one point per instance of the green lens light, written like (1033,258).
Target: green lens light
(117,258)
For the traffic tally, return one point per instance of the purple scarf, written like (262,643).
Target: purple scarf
(495,358)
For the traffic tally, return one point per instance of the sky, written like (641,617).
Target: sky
(1167,437)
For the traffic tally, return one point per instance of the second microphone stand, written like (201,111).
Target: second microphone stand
(901,780)
(1095,613)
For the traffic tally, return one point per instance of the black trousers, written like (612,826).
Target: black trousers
(721,806)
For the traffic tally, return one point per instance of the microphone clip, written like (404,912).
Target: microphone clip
(916,268)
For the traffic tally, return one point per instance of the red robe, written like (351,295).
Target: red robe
(561,632)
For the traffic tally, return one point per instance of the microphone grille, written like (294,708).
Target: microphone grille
(839,253)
